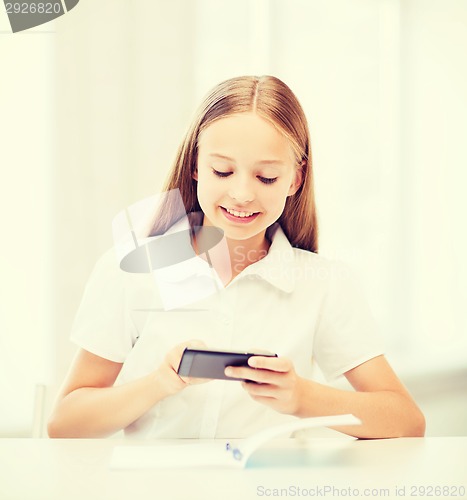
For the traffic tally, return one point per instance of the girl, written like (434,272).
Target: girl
(244,167)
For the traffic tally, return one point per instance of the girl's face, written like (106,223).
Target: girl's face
(245,171)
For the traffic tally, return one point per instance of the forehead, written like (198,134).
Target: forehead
(245,135)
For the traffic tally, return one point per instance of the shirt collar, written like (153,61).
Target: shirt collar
(277,267)
(195,266)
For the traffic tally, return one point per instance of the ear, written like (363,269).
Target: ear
(297,180)
(194,175)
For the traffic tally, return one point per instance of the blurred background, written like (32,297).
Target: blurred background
(94,104)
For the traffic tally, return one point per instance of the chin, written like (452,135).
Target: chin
(243,234)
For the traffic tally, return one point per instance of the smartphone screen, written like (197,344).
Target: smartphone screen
(211,363)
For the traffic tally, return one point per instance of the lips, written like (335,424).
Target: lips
(239,213)
(239,216)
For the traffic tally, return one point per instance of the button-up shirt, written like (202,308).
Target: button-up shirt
(292,302)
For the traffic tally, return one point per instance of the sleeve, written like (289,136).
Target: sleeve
(347,334)
(102,324)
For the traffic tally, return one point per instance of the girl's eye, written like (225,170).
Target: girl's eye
(267,180)
(220,174)
(264,180)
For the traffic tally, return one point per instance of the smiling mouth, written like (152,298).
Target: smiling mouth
(239,214)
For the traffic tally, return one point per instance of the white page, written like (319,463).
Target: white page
(249,445)
(180,456)
(214,454)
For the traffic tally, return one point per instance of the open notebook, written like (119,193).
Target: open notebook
(214,453)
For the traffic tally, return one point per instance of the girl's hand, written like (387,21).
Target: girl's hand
(271,381)
(167,376)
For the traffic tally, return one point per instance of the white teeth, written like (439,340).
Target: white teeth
(240,214)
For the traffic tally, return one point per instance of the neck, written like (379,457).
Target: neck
(245,252)
(230,257)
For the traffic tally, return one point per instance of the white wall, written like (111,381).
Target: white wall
(124,73)
(27,146)
(433,163)
(104,101)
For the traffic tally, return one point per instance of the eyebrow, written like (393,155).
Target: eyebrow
(261,162)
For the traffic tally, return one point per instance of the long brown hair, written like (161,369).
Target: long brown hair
(273,100)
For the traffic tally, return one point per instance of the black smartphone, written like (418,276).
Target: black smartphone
(211,363)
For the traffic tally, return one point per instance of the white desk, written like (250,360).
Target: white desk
(79,469)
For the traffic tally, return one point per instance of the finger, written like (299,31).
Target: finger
(260,390)
(264,400)
(259,376)
(174,356)
(271,363)
(192,343)
(194,380)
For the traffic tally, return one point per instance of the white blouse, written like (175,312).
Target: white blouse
(292,302)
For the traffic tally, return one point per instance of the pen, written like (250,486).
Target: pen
(236,453)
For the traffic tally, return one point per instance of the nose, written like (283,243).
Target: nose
(241,190)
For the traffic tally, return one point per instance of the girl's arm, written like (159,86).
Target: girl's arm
(381,401)
(89,406)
